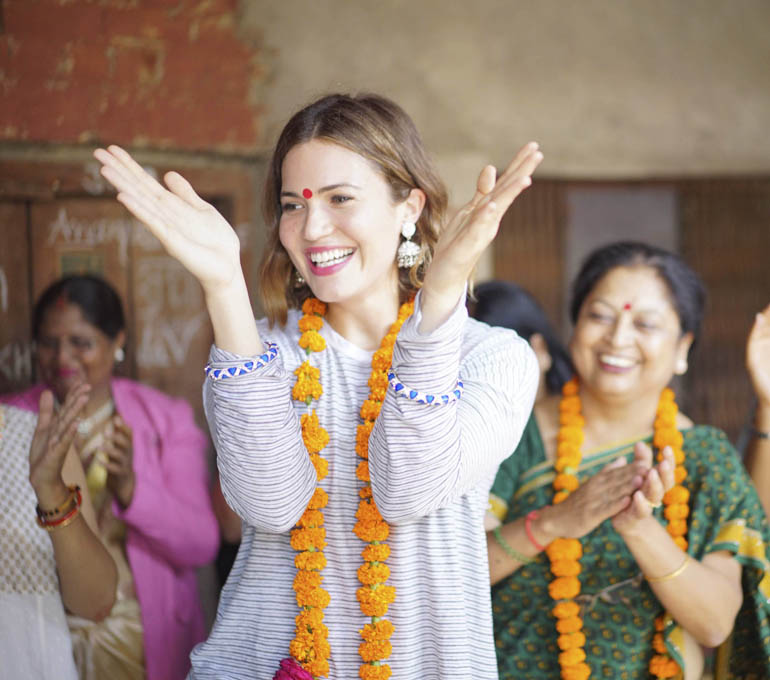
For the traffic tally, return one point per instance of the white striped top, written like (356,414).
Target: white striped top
(431,468)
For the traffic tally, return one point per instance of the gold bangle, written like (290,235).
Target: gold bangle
(673,574)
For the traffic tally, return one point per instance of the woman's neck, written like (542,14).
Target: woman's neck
(611,420)
(98,398)
(364,321)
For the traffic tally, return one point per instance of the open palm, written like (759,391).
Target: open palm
(190,229)
(758,356)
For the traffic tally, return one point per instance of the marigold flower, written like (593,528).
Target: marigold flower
(564,588)
(375,602)
(564,549)
(306,371)
(371,531)
(307,580)
(319,666)
(567,449)
(321,466)
(566,610)
(310,322)
(310,619)
(658,644)
(370,409)
(382,630)
(571,387)
(304,539)
(390,338)
(676,494)
(310,560)
(571,657)
(369,574)
(368,512)
(306,389)
(664,420)
(672,438)
(570,405)
(663,667)
(313,306)
(365,492)
(569,625)
(660,623)
(573,435)
(318,500)
(312,341)
(377,380)
(571,419)
(667,395)
(317,597)
(570,462)
(571,641)
(376,552)
(579,671)
(377,650)
(369,672)
(676,511)
(677,527)
(680,474)
(382,358)
(565,482)
(565,567)
(311,518)
(560,497)
(362,471)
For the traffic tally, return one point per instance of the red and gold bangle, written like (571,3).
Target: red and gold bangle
(64,520)
(64,507)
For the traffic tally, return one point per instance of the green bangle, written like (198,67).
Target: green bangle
(508,549)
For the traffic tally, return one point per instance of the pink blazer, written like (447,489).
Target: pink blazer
(171,527)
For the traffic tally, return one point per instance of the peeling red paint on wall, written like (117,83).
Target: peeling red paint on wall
(169,74)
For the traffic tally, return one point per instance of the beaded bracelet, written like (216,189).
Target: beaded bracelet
(248,366)
(64,507)
(61,522)
(512,552)
(424,397)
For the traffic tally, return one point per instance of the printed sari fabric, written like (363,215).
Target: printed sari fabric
(618,606)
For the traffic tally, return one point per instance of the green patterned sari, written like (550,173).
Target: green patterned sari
(618,606)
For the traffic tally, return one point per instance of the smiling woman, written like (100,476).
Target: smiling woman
(316,441)
(654,582)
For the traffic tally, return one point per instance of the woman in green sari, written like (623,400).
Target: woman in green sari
(637,312)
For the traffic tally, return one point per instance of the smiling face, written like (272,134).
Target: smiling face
(339,222)
(71,350)
(627,343)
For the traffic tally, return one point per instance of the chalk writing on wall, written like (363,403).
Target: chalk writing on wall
(16,362)
(170,311)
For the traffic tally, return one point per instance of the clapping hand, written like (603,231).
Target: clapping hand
(758,356)
(657,481)
(191,230)
(51,441)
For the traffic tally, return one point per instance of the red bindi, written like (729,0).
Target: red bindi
(307,193)
(627,306)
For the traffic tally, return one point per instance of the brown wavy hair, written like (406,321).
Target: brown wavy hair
(380,131)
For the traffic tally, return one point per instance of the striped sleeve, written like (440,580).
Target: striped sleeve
(265,473)
(422,456)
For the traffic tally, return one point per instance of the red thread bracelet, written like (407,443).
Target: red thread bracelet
(534,514)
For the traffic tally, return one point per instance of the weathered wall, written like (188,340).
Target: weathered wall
(140,73)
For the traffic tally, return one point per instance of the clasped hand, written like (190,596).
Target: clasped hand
(623,491)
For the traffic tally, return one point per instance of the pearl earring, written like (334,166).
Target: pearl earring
(120,355)
(408,251)
(681,367)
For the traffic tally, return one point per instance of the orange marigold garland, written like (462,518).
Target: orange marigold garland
(310,646)
(374,596)
(676,511)
(565,553)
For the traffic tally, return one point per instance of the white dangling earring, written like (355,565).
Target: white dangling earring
(408,251)
(298,279)
(119,354)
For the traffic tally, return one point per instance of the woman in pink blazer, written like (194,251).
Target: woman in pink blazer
(145,462)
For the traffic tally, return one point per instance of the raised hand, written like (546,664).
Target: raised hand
(758,356)
(657,481)
(602,496)
(52,439)
(474,226)
(191,230)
